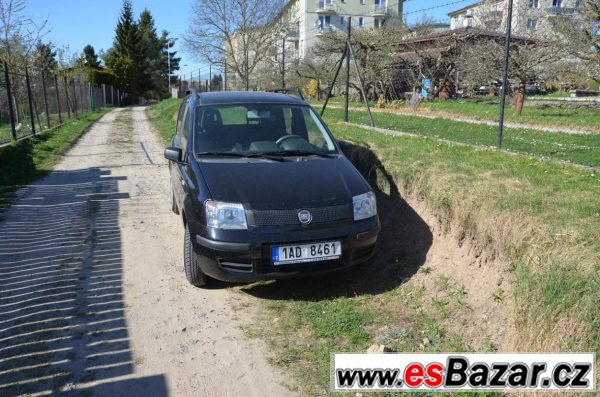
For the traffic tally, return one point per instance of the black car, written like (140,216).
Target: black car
(264,190)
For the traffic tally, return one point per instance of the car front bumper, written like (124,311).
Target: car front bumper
(250,260)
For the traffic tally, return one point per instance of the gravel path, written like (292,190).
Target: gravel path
(93,300)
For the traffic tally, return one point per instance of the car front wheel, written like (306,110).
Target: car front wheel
(193,273)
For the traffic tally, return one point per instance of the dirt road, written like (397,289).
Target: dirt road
(93,300)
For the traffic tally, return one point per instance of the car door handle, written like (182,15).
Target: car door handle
(182,182)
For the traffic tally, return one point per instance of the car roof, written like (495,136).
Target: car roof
(233,97)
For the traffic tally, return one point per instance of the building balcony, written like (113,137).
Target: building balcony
(557,11)
(321,30)
(326,7)
(379,11)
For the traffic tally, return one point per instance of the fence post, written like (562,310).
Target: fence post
(10,102)
(75,108)
(81,94)
(30,101)
(67,96)
(103,95)
(91,95)
(46,100)
(57,99)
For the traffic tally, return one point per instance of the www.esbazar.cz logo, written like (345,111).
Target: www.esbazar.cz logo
(472,371)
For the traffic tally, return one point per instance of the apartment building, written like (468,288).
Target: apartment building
(306,20)
(530,17)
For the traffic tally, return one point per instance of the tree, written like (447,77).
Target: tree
(578,37)
(235,33)
(90,58)
(44,58)
(170,62)
(158,54)
(127,56)
(19,34)
(216,84)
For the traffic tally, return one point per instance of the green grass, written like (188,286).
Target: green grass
(487,110)
(579,149)
(558,94)
(163,116)
(32,158)
(542,218)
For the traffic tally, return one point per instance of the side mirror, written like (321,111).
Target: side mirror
(173,154)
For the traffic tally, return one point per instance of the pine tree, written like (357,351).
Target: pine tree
(126,58)
(89,56)
(152,53)
(44,58)
(168,56)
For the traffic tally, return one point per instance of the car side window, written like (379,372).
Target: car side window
(183,140)
(179,126)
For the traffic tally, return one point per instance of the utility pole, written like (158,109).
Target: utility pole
(505,74)
(346,99)
(210,76)
(283,64)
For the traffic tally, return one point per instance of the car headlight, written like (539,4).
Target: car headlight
(365,206)
(225,215)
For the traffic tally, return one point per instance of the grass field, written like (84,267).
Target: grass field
(484,110)
(575,148)
(23,162)
(542,218)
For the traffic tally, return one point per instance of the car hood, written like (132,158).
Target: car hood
(284,185)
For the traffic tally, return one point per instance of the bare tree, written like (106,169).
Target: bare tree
(578,37)
(19,34)
(236,33)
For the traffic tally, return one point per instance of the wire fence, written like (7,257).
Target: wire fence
(200,80)
(34,101)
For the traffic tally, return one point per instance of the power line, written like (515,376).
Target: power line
(436,7)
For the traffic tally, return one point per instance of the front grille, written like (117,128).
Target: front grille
(337,213)
(238,266)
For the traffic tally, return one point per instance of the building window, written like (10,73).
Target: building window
(534,3)
(578,3)
(360,22)
(342,21)
(557,3)
(362,2)
(376,23)
(531,23)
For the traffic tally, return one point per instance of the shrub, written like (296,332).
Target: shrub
(99,77)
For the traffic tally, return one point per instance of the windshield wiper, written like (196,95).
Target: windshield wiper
(243,155)
(301,153)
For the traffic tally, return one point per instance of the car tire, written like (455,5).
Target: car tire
(173,202)
(193,273)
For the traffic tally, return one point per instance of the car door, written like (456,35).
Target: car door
(180,141)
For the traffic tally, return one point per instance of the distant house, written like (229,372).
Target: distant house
(530,17)
(306,20)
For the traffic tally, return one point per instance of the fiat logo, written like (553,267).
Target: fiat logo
(305,217)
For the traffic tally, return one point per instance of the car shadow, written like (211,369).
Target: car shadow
(62,314)
(403,244)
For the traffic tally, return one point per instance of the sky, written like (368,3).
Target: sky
(76,23)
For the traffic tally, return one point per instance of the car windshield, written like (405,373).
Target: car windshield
(260,128)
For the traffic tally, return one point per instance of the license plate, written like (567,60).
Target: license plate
(315,252)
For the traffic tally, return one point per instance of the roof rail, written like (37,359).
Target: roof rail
(191,91)
(288,91)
